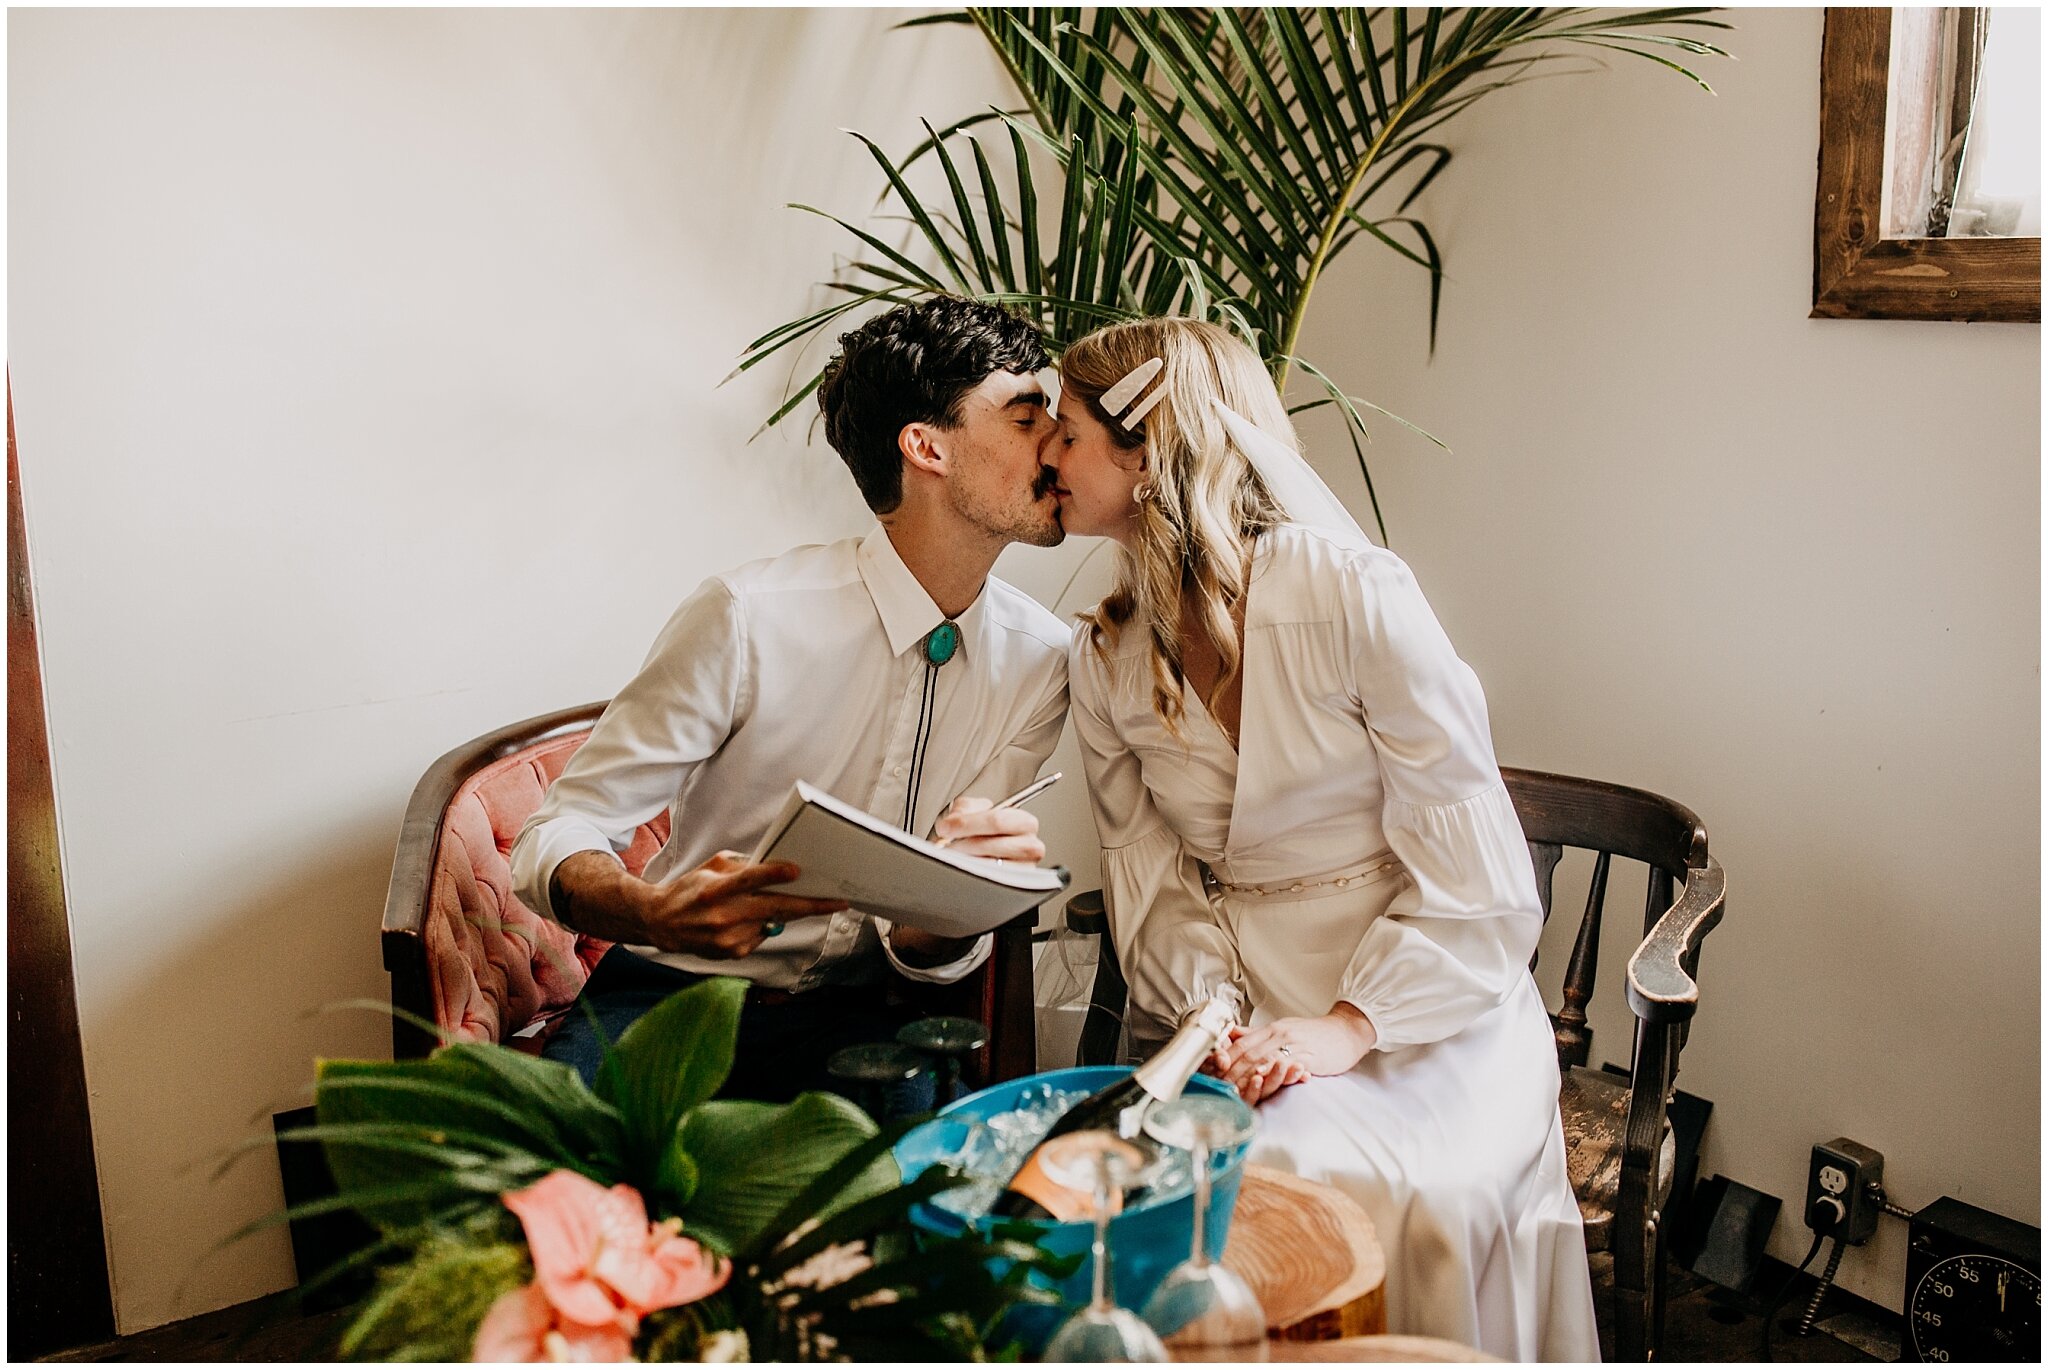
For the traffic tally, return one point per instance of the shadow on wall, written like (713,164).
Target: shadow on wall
(223,1033)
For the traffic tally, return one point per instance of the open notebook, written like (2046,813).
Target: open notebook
(877,867)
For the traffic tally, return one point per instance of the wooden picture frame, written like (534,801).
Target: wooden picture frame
(1858,273)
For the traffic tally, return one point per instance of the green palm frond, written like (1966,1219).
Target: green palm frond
(1210,161)
(1071,264)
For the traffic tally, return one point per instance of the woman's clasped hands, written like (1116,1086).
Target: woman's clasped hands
(1259,1062)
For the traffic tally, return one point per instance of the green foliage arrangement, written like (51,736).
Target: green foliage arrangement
(1210,162)
(725,1229)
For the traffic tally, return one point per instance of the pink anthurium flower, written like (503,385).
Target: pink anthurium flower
(524,1327)
(598,1259)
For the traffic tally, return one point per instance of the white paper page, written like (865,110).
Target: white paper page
(848,854)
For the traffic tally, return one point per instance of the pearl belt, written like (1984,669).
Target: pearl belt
(1356,877)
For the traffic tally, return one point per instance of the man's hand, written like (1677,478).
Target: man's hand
(976,826)
(719,911)
(1259,1062)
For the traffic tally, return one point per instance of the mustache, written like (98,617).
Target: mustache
(1043,486)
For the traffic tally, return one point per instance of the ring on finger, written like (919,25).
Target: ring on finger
(771,930)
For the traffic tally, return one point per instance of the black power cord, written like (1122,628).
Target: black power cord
(1820,1291)
(1785,1290)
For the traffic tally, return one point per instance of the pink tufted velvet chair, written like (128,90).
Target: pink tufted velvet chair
(466,955)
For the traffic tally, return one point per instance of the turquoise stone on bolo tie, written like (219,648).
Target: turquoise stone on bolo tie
(940,646)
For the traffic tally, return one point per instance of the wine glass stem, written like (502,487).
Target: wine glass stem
(1201,1160)
(1099,1251)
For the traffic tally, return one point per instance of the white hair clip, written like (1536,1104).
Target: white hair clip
(1118,397)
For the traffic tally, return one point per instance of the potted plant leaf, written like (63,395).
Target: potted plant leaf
(522,1215)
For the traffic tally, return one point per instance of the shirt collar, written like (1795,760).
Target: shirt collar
(908,612)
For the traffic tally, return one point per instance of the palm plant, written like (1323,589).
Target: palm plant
(1209,162)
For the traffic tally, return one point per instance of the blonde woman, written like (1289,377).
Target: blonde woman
(1296,792)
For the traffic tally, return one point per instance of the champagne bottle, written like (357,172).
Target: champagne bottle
(1119,1108)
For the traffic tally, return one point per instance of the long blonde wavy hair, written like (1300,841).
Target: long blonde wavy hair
(1205,506)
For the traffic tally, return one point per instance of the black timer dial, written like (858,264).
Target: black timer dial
(1976,1308)
(1973,1285)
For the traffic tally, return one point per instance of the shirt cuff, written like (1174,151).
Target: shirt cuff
(1378,1041)
(1226,988)
(945,973)
(537,853)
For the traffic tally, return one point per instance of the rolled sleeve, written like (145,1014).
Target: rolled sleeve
(541,848)
(945,973)
(687,698)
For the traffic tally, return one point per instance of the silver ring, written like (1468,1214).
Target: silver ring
(1286,1051)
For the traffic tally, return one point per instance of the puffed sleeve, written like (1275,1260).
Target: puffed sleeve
(1174,953)
(1457,941)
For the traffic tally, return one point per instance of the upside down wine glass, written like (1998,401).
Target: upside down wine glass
(1204,1310)
(1107,1165)
(947,1041)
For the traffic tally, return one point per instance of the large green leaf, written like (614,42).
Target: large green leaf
(673,1058)
(753,1158)
(588,1127)
(405,1139)
(854,1221)
(806,1208)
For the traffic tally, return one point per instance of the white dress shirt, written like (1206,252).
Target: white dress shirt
(807,666)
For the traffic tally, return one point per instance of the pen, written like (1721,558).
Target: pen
(1034,789)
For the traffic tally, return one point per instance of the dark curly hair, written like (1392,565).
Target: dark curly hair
(913,365)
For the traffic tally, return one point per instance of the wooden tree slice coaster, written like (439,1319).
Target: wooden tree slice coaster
(1388,1349)
(1309,1252)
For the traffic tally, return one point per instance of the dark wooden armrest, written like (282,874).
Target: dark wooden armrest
(405,912)
(1659,988)
(412,867)
(419,836)
(419,846)
(1012,1005)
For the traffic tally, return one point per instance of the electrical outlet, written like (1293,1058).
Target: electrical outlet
(1844,1185)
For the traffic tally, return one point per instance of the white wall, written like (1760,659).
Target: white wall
(1784,570)
(365,370)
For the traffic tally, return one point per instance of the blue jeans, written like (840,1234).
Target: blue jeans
(783,1044)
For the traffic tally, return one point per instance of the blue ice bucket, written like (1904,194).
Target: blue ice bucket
(1144,1243)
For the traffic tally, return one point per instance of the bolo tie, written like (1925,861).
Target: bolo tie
(940,646)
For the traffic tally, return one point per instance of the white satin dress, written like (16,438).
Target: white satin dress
(1358,844)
